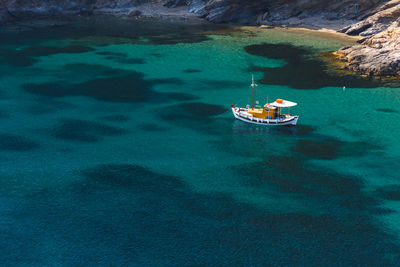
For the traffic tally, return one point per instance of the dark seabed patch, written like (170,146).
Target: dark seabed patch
(127,60)
(191,71)
(324,149)
(11,142)
(156,55)
(39,51)
(25,57)
(329,148)
(175,81)
(109,53)
(181,96)
(106,84)
(132,177)
(17,60)
(45,105)
(132,88)
(341,194)
(122,214)
(104,31)
(3,115)
(89,71)
(390,192)
(111,85)
(125,175)
(303,129)
(194,110)
(303,69)
(243,142)
(387,110)
(115,118)
(151,127)
(53,89)
(197,116)
(84,131)
(223,84)
(249,141)
(176,38)
(129,88)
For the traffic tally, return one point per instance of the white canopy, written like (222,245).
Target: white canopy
(283,104)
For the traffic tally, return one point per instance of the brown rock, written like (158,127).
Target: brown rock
(378,55)
(379,51)
(382,18)
(134,13)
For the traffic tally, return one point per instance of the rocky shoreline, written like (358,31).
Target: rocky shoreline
(376,22)
(378,53)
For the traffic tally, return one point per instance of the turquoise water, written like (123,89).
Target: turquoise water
(118,148)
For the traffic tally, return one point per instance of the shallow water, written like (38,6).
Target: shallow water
(117,147)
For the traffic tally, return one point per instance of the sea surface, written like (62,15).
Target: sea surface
(118,148)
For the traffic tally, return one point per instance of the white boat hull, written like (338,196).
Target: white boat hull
(241,114)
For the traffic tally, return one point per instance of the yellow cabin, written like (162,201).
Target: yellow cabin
(264,113)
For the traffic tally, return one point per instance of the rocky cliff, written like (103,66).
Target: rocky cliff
(375,20)
(282,11)
(379,51)
(249,12)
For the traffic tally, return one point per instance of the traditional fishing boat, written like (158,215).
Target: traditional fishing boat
(269,115)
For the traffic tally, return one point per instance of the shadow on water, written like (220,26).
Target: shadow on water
(125,214)
(303,69)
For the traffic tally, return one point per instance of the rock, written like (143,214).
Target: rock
(266,27)
(4,16)
(175,3)
(253,11)
(383,17)
(134,13)
(378,55)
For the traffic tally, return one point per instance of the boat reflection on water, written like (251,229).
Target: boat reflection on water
(244,128)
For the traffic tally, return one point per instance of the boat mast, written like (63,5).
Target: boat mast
(253,84)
